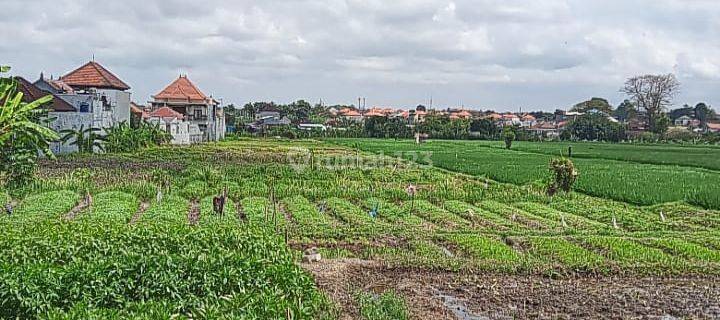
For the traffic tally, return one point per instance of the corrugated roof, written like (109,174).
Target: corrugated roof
(93,75)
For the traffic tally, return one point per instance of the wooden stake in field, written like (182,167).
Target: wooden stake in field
(411,190)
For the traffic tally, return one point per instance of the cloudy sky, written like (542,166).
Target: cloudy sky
(500,54)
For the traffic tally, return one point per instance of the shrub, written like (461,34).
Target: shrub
(508,136)
(563,175)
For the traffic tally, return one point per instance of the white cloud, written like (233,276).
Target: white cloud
(499,53)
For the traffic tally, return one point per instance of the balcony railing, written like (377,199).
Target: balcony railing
(197,118)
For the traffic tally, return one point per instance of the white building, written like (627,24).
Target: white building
(100,100)
(187,113)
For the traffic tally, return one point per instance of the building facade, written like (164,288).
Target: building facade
(187,113)
(99,99)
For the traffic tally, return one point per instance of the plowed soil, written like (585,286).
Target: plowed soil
(447,295)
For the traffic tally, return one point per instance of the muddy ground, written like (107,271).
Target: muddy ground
(445,295)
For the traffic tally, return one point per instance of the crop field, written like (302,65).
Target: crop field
(135,236)
(643,175)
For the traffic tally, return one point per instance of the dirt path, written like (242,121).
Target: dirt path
(84,203)
(447,295)
(143,207)
(194,213)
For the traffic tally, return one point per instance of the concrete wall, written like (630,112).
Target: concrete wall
(68,120)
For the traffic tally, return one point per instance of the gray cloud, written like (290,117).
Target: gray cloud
(501,54)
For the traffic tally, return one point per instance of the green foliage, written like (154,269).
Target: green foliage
(509,136)
(382,127)
(634,179)
(124,138)
(22,133)
(485,129)
(52,204)
(100,266)
(85,139)
(596,127)
(386,306)
(172,209)
(593,105)
(484,248)
(562,174)
(628,252)
(113,206)
(114,270)
(565,252)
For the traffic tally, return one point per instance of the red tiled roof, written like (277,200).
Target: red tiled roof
(136,109)
(60,86)
(351,113)
(715,127)
(494,116)
(31,93)
(181,89)
(528,117)
(93,75)
(463,114)
(374,113)
(166,112)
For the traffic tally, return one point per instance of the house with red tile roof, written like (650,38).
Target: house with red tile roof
(461,114)
(375,113)
(713,127)
(527,120)
(139,111)
(92,75)
(92,88)
(187,113)
(89,96)
(32,93)
(350,115)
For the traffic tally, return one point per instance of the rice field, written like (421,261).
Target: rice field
(147,244)
(643,175)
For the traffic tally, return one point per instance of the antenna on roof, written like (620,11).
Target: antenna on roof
(93,57)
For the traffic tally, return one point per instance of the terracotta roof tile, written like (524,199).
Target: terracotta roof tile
(181,89)
(351,113)
(93,75)
(374,113)
(32,93)
(137,109)
(166,112)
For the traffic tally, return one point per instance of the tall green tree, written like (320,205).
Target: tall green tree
(703,113)
(625,111)
(595,127)
(598,104)
(22,133)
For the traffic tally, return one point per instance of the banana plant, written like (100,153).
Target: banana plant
(22,132)
(86,139)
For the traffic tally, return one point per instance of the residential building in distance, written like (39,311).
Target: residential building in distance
(187,113)
(99,98)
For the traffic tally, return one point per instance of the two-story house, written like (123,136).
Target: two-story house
(187,113)
(99,97)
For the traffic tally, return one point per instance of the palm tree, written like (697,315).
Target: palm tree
(86,139)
